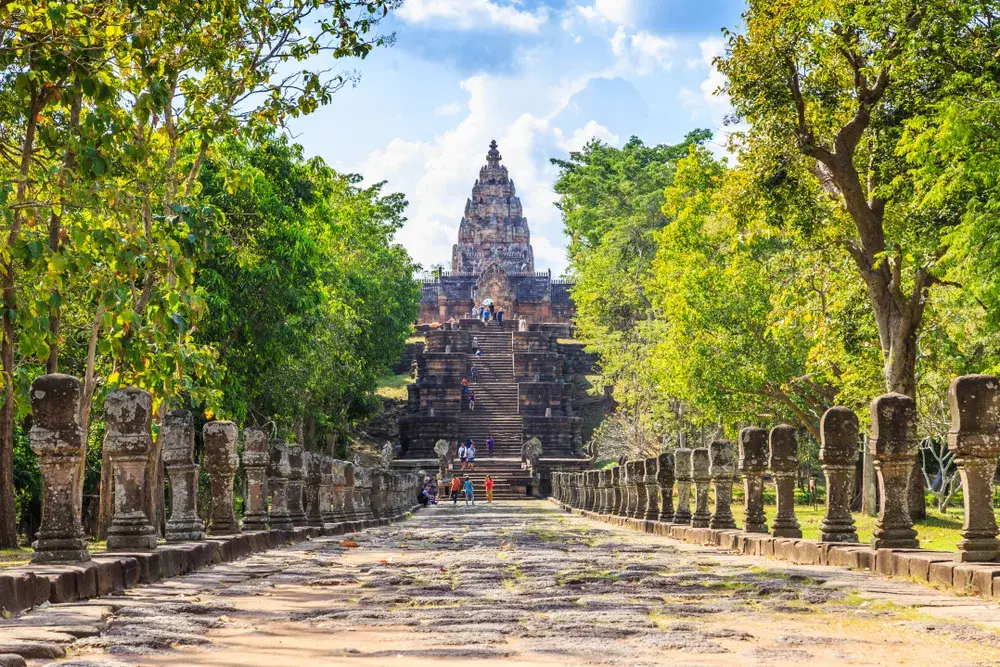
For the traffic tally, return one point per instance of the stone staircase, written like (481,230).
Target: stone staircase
(508,477)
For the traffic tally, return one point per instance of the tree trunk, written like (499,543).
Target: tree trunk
(8,518)
(8,509)
(869,485)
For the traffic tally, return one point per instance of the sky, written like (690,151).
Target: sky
(542,77)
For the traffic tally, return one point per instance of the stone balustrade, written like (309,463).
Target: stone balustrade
(336,499)
(974,438)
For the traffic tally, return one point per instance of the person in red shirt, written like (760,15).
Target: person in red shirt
(456,486)
(489,490)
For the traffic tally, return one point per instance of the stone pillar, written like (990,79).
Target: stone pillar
(628,489)
(784,464)
(128,415)
(314,479)
(723,470)
(579,492)
(665,484)
(278,477)
(701,476)
(975,440)
(592,478)
(651,505)
(838,454)
(177,440)
(57,438)
(327,501)
(616,490)
(349,512)
(602,492)
(894,445)
(255,463)
(682,476)
(636,489)
(296,486)
(753,464)
(221,462)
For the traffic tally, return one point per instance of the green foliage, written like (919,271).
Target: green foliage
(117,247)
(310,299)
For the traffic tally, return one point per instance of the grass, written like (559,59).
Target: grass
(15,557)
(394,386)
(938,532)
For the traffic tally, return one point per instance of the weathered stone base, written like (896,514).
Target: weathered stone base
(67,550)
(937,568)
(22,588)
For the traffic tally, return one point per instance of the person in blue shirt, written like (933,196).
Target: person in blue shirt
(470,494)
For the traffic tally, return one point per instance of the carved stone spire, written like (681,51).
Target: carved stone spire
(493,230)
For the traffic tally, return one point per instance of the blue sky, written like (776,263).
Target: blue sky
(541,77)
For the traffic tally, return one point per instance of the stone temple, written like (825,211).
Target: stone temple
(523,373)
(494,259)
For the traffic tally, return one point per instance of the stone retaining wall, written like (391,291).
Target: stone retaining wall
(22,588)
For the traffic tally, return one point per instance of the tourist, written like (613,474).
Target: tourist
(456,486)
(475,375)
(479,353)
(486,316)
(475,343)
(469,449)
(470,455)
(500,317)
(470,495)
(472,401)
(462,454)
(489,445)
(489,489)
(492,311)
(465,385)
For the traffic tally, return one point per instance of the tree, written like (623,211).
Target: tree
(110,110)
(838,83)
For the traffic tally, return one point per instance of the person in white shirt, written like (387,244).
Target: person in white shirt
(462,454)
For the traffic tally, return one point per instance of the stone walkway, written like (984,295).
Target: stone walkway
(523,584)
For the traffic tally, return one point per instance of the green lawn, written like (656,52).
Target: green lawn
(938,531)
(15,557)
(394,386)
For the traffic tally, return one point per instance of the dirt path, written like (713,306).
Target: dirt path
(523,584)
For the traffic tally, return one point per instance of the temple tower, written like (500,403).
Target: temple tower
(493,232)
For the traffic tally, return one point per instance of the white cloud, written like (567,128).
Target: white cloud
(622,12)
(592,130)
(710,88)
(472,15)
(450,109)
(642,52)
(437,175)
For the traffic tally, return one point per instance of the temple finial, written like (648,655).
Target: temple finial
(493,157)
